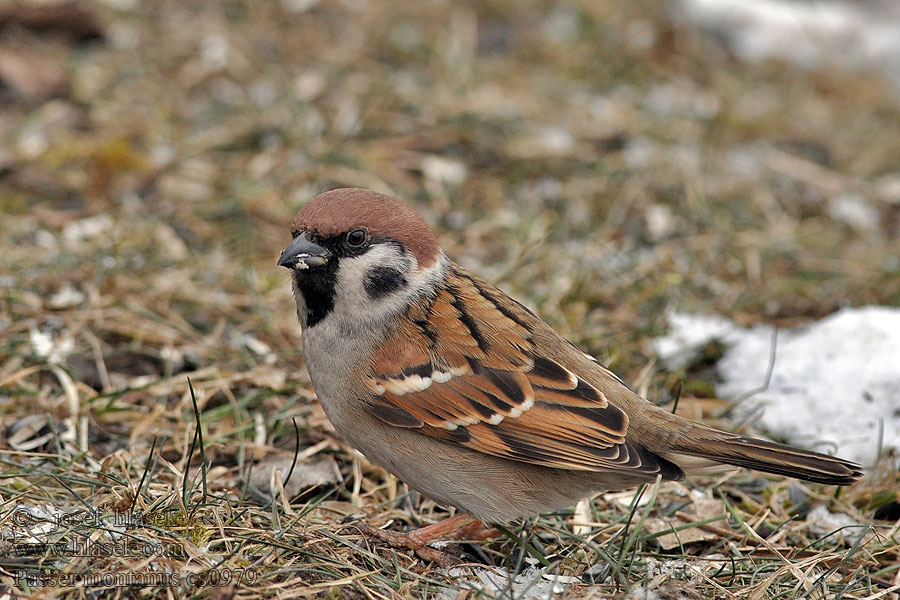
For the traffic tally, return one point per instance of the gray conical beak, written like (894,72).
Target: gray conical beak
(303,254)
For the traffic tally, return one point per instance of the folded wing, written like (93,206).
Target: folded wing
(464,370)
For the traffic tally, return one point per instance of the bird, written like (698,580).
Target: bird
(465,394)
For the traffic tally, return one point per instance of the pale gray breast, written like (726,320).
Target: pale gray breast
(336,356)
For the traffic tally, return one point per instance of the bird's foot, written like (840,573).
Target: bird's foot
(459,527)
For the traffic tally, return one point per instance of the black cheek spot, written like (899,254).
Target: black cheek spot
(381,281)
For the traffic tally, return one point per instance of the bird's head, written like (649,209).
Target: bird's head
(359,256)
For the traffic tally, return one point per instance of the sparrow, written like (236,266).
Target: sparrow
(468,396)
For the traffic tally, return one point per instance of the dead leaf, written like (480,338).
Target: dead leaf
(319,470)
(700,509)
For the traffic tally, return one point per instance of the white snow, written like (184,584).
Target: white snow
(530,584)
(823,522)
(687,336)
(834,384)
(856,35)
(45,345)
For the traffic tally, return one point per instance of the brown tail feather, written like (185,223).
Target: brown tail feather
(771,457)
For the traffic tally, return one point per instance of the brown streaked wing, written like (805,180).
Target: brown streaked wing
(486,387)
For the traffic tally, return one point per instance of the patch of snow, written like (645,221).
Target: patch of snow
(808,34)
(531,584)
(834,382)
(688,334)
(823,522)
(44,345)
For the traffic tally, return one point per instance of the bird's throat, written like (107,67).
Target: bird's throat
(318,290)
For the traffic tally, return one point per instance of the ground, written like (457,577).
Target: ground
(600,161)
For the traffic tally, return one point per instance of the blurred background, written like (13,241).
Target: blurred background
(606,162)
(605,159)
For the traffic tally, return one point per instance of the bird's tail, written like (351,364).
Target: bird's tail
(762,455)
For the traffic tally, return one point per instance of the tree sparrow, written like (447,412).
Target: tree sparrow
(465,394)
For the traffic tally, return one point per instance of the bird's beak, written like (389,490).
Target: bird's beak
(301,253)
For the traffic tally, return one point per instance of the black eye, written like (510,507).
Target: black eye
(357,238)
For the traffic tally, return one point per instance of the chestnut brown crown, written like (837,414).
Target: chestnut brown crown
(341,210)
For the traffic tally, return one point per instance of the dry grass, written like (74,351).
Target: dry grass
(598,161)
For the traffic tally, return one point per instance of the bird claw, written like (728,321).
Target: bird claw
(409,541)
(461,527)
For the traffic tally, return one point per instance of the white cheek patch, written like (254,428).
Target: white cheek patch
(356,306)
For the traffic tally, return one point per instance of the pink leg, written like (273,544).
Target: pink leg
(461,526)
